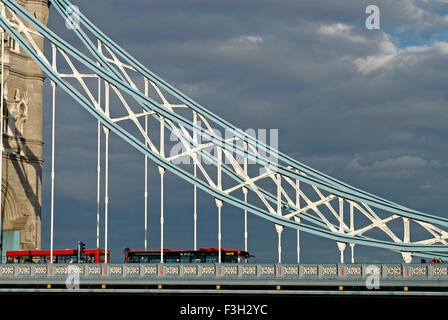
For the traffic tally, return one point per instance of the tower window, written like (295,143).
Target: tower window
(5,119)
(13,45)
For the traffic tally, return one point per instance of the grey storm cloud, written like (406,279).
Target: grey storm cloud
(366,106)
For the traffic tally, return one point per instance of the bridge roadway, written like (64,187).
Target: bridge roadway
(368,279)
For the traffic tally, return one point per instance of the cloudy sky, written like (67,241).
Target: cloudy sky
(369,107)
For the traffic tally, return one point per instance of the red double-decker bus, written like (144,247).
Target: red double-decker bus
(59,256)
(203,255)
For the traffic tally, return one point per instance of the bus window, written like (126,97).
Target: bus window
(67,259)
(37,259)
(88,258)
(25,259)
(197,257)
(144,259)
(211,258)
(229,259)
(47,259)
(185,259)
(172,259)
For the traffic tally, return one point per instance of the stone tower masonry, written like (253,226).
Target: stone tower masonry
(23,141)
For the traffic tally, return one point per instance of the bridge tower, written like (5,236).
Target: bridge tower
(22,141)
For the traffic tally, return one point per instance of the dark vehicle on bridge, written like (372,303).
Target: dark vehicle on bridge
(203,255)
(59,256)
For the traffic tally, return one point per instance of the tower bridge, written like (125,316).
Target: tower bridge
(123,97)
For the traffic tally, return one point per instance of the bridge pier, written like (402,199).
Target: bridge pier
(352,248)
(219,206)
(407,257)
(98,166)
(245,191)
(341,247)
(162,172)
(106,168)
(53,128)
(219,202)
(298,240)
(352,229)
(146,172)
(162,219)
(195,192)
(279,230)
(297,219)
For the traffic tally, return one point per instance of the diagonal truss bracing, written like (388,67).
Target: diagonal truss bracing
(284,191)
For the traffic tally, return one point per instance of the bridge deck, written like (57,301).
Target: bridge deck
(238,278)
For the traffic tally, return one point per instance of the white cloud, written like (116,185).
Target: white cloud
(432,1)
(334,29)
(396,167)
(404,58)
(381,50)
(249,39)
(371,63)
(340,30)
(237,45)
(386,55)
(426,186)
